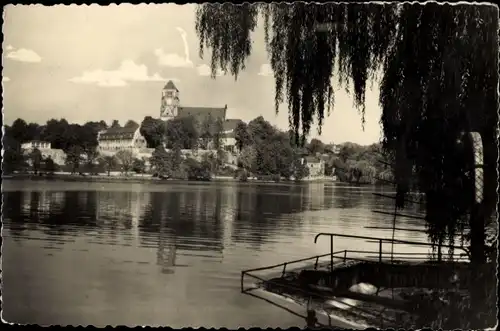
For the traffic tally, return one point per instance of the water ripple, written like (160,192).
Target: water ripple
(93,253)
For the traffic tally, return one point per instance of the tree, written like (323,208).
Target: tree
(19,131)
(86,138)
(241,135)
(283,154)
(356,170)
(103,125)
(259,130)
(218,130)
(161,163)
(13,158)
(49,165)
(63,135)
(96,126)
(247,158)
(125,158)
(88,134)
(74,158)
(36,160)
(56,133)
(197,170)
(435,85)
(91,158)
(108,162)
(273,152)
(153,131)
(315,146)
(190,132)
(182,132)
(350,151)
(407,44)
(115,124)
(299,168)
(218,143)
(33,131)
(139,166)
(206,132)
(131,124)
(175,157)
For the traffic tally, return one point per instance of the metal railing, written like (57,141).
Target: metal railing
(343,254)
(380,242)
(341,257)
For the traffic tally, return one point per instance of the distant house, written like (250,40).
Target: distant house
(316,166)
(36,144)
(114,139)
(229,134)
(45,148)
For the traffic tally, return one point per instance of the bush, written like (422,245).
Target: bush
(227,171)
(195,170)
(139,166)
(242,175)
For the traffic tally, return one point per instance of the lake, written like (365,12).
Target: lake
(168,254)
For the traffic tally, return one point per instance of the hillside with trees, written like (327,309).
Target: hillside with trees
(263,151)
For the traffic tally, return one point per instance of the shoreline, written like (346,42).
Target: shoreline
(146,178)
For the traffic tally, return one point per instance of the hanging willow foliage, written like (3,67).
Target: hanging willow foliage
(439,66)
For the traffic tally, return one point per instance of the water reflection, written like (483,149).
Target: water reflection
(123,251)
(204,218)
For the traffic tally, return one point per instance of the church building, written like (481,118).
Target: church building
(114,139)
(171,108)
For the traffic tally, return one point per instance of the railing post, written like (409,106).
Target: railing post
(380,250)
(331,254)
(284,268)
(242,275)
(345,255)
(316,264)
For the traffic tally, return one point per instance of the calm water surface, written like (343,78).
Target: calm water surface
(167,254)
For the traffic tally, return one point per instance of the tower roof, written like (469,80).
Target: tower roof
(170,86)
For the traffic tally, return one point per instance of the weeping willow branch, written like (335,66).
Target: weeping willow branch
(439,67)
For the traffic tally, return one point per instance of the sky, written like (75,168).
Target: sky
(91,63)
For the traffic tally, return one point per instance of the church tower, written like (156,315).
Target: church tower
(169,101)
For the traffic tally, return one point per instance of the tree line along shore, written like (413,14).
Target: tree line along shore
(263,152)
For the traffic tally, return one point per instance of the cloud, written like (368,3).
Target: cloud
(174,59)
(5,79)
(127,72)
(204,70)
(23,55)
(266,70)
(9,48)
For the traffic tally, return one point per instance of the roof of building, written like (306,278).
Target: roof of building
(202,113)
(312,159)
(229,126)
(119,133)
(170,86)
